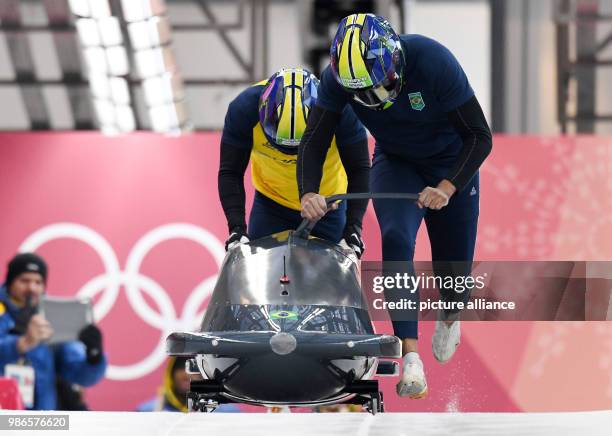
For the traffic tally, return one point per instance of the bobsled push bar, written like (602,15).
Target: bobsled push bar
(311,344)
(303,231)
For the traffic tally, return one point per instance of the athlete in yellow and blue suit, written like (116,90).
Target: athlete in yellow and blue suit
(264,125)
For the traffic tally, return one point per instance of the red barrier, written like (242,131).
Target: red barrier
(10,398)
(135,223)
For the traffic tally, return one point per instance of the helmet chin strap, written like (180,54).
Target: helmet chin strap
(379,107)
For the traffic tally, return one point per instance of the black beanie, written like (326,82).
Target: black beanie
(23,263)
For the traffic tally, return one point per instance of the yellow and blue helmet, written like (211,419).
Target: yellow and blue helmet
(284,106)
(367,60)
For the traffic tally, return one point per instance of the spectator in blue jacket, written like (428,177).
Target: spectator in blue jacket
(23,333)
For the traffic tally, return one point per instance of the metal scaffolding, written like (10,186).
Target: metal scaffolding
(578,60)
(252,19)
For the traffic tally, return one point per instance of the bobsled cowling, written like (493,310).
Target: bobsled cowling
(288,324)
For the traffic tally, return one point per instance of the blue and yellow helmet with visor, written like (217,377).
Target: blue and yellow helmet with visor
(284,106)
(367,60)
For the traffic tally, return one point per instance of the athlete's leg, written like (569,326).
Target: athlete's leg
(399,223)
(268,217)
(452,234)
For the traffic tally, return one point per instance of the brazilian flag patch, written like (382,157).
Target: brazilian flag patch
(416,101)
(283,314)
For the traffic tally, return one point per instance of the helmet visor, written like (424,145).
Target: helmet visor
(378,95)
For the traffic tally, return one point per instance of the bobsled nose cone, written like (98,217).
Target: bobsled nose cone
(283,343)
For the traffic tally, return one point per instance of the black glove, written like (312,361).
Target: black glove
(352,237)
(69,395)
(91,336)
(237,236)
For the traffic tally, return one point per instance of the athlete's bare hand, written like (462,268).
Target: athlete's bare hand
(436,198)
(314,206)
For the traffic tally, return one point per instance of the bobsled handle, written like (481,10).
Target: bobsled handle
(306,226)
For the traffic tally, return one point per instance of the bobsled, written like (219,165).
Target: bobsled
(287,325)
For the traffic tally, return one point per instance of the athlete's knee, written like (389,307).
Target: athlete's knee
(398,244)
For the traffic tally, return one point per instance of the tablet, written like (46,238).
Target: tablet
(67,316)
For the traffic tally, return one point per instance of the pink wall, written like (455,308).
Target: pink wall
(142,211)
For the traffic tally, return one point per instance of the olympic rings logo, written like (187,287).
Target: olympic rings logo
(110,282)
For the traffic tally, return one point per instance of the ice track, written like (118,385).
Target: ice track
(328,424)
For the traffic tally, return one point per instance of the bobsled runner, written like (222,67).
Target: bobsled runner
(287,325)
